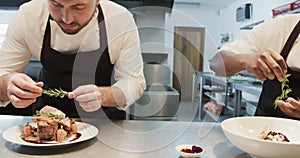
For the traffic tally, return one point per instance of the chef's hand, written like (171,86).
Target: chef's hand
(291,107)
(267,65)
(22,91)
(88,96)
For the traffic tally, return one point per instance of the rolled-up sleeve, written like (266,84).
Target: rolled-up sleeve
(128,63)
(14,53)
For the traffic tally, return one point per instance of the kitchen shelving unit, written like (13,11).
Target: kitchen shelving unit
(205,86)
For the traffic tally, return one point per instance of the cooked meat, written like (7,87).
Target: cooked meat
(43,118)
(52,110)
(61,135)
(66,122)
(27,130)
(32,139)
(73,129)
(46,131)
(51,124)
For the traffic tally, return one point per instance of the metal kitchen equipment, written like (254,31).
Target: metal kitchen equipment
(159,101)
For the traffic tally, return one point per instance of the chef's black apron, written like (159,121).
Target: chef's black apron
(65,71)
(272,88)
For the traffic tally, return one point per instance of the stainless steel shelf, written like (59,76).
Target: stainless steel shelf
(217,118)
(206,84)
(250,26)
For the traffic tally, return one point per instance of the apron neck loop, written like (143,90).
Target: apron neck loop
(290,42)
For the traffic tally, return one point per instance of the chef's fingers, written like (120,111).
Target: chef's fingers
(95,95)
(263,67)
(82,90)
(259,74)
(295,103)
(23,89)
(278,66)
(256,66)
(21,102)
(39,84)
(288,109)
(270,64)
(22,93)
(25,83)
(70,95)
(90,106)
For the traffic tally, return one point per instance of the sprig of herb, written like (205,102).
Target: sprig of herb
(55,92)
(285,90)
(48,115)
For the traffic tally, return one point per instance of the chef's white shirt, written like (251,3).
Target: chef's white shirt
(271,34)
(24,39)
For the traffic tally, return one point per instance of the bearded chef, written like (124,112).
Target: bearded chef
(89,48)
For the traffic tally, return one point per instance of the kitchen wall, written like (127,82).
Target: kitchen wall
(261,10)
(217,22)
(151,25)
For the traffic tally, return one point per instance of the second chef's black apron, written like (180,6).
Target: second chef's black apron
(70,71)
(272,88)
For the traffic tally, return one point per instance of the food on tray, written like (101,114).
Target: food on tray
(195,149)
(49,124)
(273,136)
(214,107)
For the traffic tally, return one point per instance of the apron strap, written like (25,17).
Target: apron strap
(102,31)
(290,41)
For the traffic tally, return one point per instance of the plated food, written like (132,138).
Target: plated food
(49,124)
(273,136)
(189,150)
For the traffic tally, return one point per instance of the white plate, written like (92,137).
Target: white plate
(86,132)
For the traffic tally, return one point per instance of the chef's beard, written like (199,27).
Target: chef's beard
(79,26)
(71,31)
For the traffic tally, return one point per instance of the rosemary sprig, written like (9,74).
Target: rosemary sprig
(55,92)
(285,90)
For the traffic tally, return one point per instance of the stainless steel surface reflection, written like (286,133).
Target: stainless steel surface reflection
(160,101)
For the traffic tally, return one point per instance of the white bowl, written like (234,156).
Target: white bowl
(187,146)
(243,132)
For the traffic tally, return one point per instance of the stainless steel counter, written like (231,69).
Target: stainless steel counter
(130,138)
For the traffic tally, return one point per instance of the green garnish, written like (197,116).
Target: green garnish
(48,115)
(55,92)
(285,90)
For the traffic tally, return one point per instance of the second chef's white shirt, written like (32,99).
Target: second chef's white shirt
(272,34)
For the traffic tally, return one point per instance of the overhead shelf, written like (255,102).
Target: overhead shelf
(250,26)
